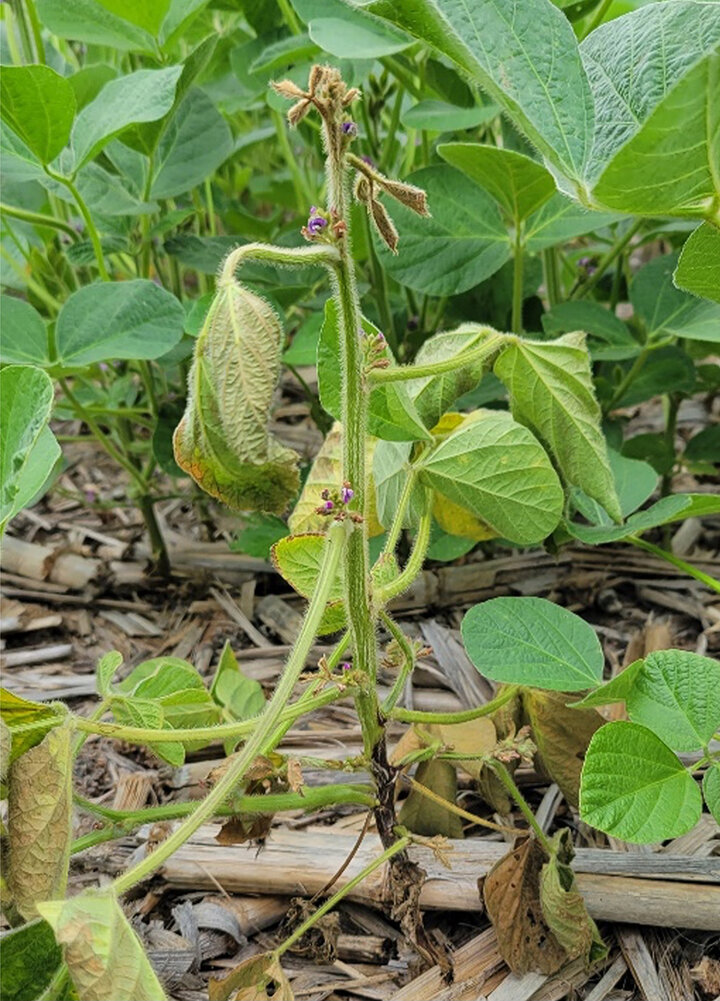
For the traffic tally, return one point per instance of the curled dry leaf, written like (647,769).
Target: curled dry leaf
(538,914)
(320,941)
(422,815)
(40,821)
(259,978)
(103,954)
(223,440)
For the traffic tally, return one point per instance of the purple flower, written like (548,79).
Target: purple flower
(328,505)
(316,223)
(368,160)
(346,665)
(346,493)
(349,129)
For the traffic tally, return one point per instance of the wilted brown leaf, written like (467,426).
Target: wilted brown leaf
(564,908)
(562,736)
(103,954)
(40,821)
(424,816)
(245,827)
(259,978)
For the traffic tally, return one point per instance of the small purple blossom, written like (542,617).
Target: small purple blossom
(368,160)
(316,223)
(346,493)
(346,665)
(349,129)
(328,505)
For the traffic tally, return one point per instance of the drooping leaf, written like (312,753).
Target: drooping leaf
(105,670)
(711,789)
(90,21)
(698,268)
(509,47)
(608,338)
(39,105)
(495,468)
(633,786)
(104,955)
(640,162)
(223,440)
(42,464)
(40,821)
(390,471)
(30,957)
(531,641)
(424,816)
(562,735)
(666,309)
(196,142)
(142,96)
(108,320)
(259,978)
(519,184)
(551,392)
(26,398)
(23,337)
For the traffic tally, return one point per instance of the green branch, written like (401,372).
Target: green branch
(488,348)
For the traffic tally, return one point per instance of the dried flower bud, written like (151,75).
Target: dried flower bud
(351,96)
(298,111)
(317,74)
(414,198)
(288,89)
(384,225)
(362,190)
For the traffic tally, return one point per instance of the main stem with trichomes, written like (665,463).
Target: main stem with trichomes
(269,728)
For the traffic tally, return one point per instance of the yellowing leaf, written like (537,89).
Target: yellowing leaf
(422,815)
(564,908)
(104,955)
(475,736)
(223,440)
(40,821)
(298,559)
(457,520)
(259,978)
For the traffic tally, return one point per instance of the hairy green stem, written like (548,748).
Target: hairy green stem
(38,219)
(288,256)
(417,716)
(88,219)
(517,294)
(415,561)
(629,377)
(489,346)
(263,737)
(399,846)
(507,780)
(552,276)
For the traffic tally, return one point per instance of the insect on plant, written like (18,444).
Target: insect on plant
(402,457)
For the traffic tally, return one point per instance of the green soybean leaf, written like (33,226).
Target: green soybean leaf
(608,337)
(298,559)
(615,690)
(88,81)
(510,48)
(196,142)
(26,398)
(278,55)
(641,163)
(241,697)
(531,641)
(663,512)
(90,21)
(16,712)
(30,958)
(260,533)
(711,789)
(355,36)
(676,694)
(108,320)
(552,393)
(667,370)
(23,337)
(104,955)
(39,470)
(223,440)
(439,116)
(390,472)
(666,309)
(495,468)
(434,395)
(704,446)
(634,788)
(463,242)
(39,105)
(143,96)
(145,15)
(519,184)
(40,821)
(698,268)
(561,219)
(105,670)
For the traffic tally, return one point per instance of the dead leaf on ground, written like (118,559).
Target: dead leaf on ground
(259,978)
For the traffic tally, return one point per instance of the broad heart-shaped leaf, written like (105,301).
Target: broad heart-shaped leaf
(519,184)
(510,48)
(39,105)
(298,559)
(223,440)
(143,96)
(634,788)
(30,957)
(495,468)
(107,320)
(104,955)
(393,415)
(561,219)
(40,821)
(463,243)
(551,392)
(196,142)
(711,789)
(145,15)
(90,21)
(26,398)
(676,694)
(608,338)
(666,309)
(698,268)
(531,641)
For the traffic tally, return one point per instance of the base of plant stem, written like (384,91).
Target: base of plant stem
(160,555)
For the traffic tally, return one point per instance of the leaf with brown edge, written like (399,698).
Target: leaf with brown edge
(259,978)
(562,735)
(512,897)
(104,955)
(223,440)
(40,821)
(563,906)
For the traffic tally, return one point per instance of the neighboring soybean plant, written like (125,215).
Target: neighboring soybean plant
(397,457)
